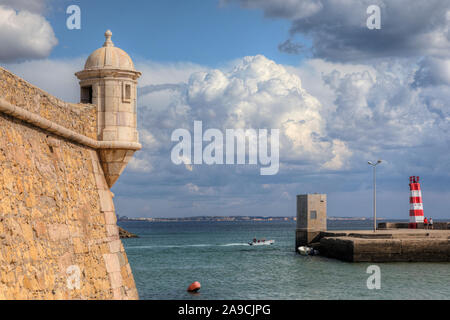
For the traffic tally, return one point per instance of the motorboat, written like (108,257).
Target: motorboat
(304,251)
(307,251)
(261,242)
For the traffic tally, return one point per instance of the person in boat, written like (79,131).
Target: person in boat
(425,223)
(254,240)
(431,223)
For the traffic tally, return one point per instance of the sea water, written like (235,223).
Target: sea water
(168,256)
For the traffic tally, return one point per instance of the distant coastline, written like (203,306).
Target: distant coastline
(237,219)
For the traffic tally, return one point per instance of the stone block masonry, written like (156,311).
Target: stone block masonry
(79,118)
(56,209)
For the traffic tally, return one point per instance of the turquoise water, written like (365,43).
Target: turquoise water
(169,256)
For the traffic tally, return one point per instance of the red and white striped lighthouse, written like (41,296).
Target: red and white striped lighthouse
(415,202)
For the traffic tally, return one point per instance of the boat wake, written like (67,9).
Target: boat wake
(233,244)
(187,246)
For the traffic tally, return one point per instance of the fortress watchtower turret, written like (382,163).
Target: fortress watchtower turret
(109,81)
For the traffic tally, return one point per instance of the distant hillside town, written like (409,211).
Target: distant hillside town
(235,218)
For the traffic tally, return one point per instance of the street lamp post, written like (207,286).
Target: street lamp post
(374,165)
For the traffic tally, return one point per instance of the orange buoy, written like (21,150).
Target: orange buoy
(194,287)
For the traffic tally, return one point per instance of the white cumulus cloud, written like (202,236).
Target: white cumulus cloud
(24,35)
(256,94)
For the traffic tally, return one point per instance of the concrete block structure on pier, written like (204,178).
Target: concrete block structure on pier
(311,218)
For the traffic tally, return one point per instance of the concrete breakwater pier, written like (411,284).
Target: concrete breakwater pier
(392,242)
(387,245)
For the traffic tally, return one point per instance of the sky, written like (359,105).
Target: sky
(340,94)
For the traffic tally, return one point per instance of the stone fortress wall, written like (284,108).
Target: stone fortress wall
(57,219)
